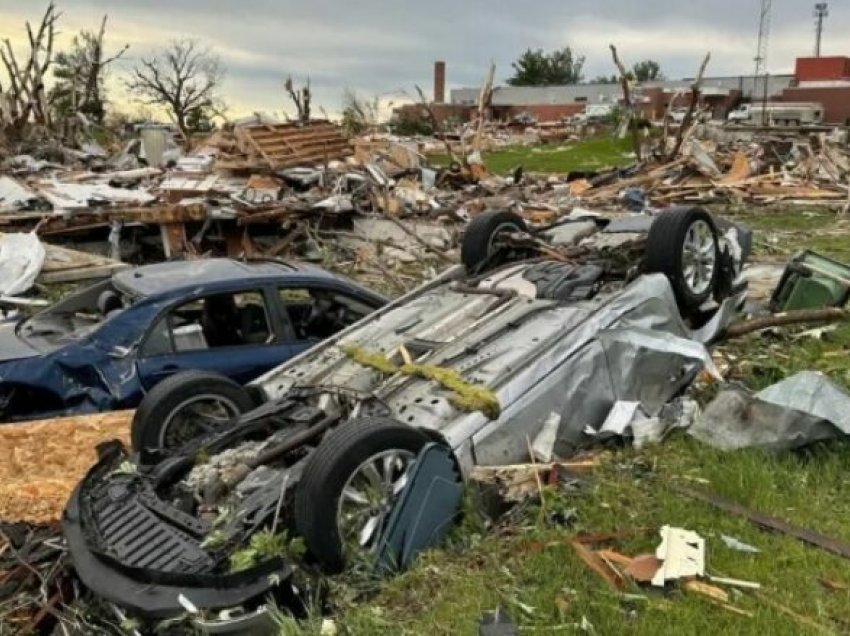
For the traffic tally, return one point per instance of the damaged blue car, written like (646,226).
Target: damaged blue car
(104,347)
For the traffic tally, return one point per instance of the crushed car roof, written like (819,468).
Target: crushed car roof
(166,277)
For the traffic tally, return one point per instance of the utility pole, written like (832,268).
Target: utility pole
(821,13)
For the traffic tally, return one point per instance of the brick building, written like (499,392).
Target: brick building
(824,80)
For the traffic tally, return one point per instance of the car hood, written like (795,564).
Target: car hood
(12,347)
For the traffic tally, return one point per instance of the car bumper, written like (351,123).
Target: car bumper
(153,594)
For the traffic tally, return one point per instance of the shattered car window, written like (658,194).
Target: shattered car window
(320,313)
(76,316)
(221,320)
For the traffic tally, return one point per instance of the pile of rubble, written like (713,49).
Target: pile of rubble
(755,168)
(372,206)
(269,190)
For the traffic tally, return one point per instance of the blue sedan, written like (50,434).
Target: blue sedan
(103,348)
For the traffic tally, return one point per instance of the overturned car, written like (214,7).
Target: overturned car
(538,327)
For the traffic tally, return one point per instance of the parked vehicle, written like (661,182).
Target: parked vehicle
(555,322)
(778,114)
(103,348)
(595,113)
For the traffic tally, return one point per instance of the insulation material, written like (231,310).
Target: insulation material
(68,196)
(21,259)
(43,461)
(13,195)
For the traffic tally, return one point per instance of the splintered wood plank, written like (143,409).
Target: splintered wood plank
(63,265)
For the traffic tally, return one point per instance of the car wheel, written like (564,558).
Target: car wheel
(184,406)
(478,248)
(350,485)
(683,244)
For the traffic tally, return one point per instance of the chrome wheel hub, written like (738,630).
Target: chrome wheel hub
(699,257)
(368,498)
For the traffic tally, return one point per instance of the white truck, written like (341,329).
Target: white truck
(778,114)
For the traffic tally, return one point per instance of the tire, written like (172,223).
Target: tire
(476,250)
(328,471)
(665,248)
(160,405)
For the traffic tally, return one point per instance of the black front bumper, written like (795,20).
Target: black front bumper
(138,577)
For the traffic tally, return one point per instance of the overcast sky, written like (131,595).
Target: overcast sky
(381,47)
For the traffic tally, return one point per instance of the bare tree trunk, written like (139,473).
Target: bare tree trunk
(26,95)
(627,98)
(689,116)
(485,98)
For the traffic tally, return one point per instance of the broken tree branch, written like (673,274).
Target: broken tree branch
(627,98)
(485,98)
(689,116)
(797,317)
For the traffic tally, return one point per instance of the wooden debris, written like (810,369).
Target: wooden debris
(63,265)
(44,460)
(835,586)
(767,522)
(286,145)
(643,567)
(796,317)
(704,589)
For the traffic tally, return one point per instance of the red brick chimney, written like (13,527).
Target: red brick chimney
(439,82)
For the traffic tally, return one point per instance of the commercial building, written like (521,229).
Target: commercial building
(824,80)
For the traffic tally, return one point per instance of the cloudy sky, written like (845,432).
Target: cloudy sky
(381,47)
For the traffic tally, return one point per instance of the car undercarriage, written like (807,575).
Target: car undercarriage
(538,327)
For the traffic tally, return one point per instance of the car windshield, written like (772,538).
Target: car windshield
(74,317)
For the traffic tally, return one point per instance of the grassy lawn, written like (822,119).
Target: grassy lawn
(527,566)
(592,154)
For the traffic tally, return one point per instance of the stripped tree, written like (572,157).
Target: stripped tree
(183,78)
(301,97)
(80,74)
(22,97)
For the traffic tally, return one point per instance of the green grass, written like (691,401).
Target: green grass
(589,155)
(784,230)
(535,575)
(527,566)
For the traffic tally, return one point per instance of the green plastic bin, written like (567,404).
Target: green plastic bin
(811,280)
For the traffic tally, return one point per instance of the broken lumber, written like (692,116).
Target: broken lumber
(796,317)
(805,535)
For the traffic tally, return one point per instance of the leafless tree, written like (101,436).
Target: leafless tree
(23,98)
(183,78)
(300,97)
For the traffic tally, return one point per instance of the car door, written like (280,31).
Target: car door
(238,334)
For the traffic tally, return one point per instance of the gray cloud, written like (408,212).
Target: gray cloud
(378,47)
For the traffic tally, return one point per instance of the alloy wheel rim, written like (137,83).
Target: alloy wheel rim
(699,257)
